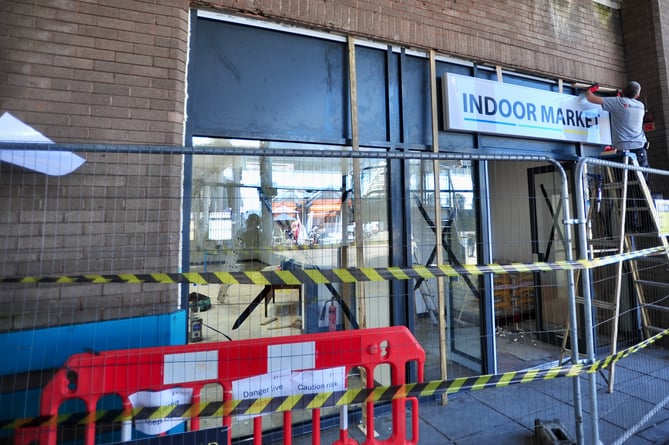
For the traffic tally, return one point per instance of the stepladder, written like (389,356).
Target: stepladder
(628,294)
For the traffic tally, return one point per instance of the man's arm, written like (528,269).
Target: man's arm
(590,96)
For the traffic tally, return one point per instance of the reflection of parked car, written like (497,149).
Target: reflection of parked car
(199,301)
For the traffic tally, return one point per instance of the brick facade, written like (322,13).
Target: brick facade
(646,25)
(85,72)
(115,72)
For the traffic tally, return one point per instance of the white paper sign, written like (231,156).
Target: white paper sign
(486,106)
(662,206)
(318,380)
(49,162)
(273,384)
(286,383)
(173,396)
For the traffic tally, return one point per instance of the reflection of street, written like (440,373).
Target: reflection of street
(328,257)
(324,258)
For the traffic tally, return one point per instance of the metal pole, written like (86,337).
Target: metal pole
(567,240)
(587,298)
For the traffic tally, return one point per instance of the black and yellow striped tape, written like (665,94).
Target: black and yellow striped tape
(330,276)
(328,399)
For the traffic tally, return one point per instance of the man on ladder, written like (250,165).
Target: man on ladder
(626,119)
(627,137)
(627,133)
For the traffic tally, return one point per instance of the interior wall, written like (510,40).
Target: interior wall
(510,213)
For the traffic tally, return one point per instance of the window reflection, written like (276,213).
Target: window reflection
(265,213)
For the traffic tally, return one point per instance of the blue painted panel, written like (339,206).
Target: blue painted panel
(417,108)
(259,81)
(372,101)
(50,347)
(518,146)
(19,405)
(451,141)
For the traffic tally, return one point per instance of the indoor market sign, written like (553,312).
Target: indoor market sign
(486,106)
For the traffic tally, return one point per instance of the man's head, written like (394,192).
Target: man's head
(632,90)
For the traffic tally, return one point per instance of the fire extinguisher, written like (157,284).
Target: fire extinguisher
(332,316)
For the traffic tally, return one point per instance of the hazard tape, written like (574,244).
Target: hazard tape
(328,399)
(337,275)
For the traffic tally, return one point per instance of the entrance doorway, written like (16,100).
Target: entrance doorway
(547,229)
(530,308)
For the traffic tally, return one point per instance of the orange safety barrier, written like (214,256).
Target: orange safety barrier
(91,376)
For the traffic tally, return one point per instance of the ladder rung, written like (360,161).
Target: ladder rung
(604,251)
(601,242)
(657,307)
(654,328)
(643,234)
(631,209)
(619,185)
(652,283)
(598,303)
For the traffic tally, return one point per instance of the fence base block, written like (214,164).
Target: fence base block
(552,432)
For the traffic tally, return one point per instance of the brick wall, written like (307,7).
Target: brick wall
(118,213)
(83,72)
(646,25)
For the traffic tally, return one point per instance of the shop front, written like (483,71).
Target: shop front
(270,93)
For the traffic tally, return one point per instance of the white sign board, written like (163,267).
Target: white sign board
(486,106)
(220,225)
(190,367)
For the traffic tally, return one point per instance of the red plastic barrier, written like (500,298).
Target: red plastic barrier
(89,377)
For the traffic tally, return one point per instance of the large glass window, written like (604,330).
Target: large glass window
(263,213)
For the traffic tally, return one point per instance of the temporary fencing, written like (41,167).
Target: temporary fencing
(266,402)
(264,365)
(105,253)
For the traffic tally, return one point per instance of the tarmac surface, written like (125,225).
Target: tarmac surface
(507,416)
(636,412)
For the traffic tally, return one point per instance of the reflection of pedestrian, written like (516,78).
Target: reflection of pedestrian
(626,119)
(296,230)
(251,235)
(250,239)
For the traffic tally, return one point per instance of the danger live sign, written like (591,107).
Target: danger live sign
(485,106)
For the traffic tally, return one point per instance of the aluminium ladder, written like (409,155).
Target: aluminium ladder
(622,218)
(632,224)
